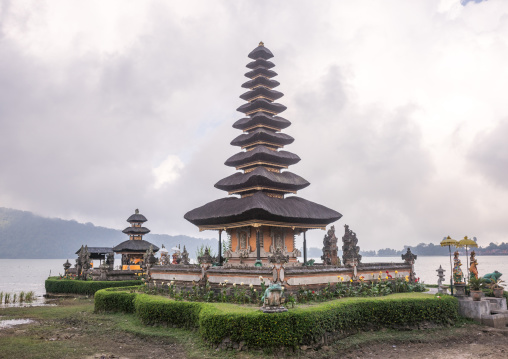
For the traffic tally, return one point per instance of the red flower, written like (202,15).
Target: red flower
(313,292)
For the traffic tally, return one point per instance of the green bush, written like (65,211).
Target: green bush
(159,310)
(300,326)
(88,287)
(115,299)
(340,317)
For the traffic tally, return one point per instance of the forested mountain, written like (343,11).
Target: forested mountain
(26,235)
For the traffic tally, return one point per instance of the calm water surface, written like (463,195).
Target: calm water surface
(29,274)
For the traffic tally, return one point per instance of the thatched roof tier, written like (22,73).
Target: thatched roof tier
(260,52)
(97,250)
(136,231)
(136,218)
(135,246)
(261,153)
(261,92)
(263,135)
(261,105)
(260,81)
(260,71)
(261,177)
(262,119)
(260,63)
(261,207)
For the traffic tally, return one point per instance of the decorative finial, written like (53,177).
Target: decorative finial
(137,211)
(261,43)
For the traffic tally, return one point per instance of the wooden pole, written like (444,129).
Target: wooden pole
(258,242)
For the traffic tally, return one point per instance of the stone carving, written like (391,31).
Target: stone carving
(473,270)
(278,235)
(110,260)
(185,256)
(410,258)
(66,266)
(85,262)
(148,257)
(458,275)
(330,248)
(278,260)
(206,258)
(351,251)
(492,277)
(440,274)
(273,299)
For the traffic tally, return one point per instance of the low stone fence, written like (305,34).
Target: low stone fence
(293,277)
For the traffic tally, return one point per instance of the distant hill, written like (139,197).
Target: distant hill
(26,235)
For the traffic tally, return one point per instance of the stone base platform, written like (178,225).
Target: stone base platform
(488,311)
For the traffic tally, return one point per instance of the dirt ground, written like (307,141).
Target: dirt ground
(84,334)
(473,341)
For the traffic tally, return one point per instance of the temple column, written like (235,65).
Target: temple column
(304,247)
(220,247)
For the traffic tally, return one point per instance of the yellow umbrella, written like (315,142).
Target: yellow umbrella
(465,243)
(448,241)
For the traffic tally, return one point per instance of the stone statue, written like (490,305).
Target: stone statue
(351,252)
(458,275)
(85,262)
(66,266)
(110,260)
(206,258)
(149,258)
(492,277)
(440,274)
(473,270)
(273,299)
(410,258)
(330,248)
(185,256)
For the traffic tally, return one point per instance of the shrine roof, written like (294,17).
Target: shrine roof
(260,52)
(97,250)
(136,230)
(135,246)
(261,91)
(261,118)
(261,153)
(260,206)
(262,134)
(260,176)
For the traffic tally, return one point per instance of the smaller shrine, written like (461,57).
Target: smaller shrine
(133,249)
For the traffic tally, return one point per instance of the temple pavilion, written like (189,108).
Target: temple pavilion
(133,249)
(262,213)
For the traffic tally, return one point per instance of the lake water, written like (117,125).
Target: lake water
(18,275)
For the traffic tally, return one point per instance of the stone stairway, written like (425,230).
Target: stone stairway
(498,316)
(488,311)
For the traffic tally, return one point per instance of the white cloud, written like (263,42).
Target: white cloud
(397,109)
(168,171)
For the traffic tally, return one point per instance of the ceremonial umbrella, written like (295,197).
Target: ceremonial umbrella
(447,241)
(465,243)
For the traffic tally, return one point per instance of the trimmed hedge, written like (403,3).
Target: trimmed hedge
(115,299)
(300,326)
(88,287)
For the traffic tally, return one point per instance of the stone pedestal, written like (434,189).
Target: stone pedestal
(474,309)
(460,289)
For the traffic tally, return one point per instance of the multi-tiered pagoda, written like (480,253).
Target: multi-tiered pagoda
(259,215)
(133,249)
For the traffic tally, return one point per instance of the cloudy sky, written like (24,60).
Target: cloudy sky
(399,110)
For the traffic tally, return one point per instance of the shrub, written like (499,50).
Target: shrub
(68,286)
(115,300)
(337,318)
(300,326)
(159,310)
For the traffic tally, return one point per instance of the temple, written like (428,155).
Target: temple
(133,249)
(262,214)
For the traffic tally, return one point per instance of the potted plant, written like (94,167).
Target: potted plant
(475,287)
(495,286)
